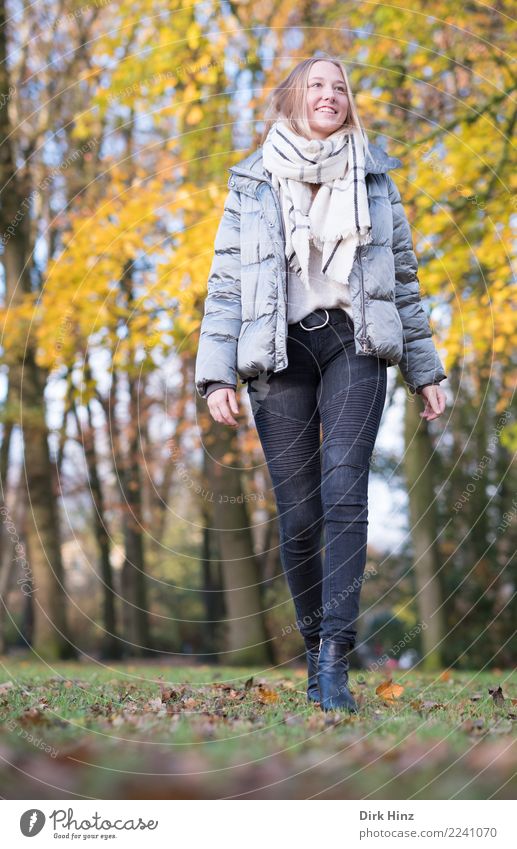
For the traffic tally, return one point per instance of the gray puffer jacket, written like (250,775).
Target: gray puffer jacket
(244,327)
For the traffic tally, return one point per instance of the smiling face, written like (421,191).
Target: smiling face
(327,101)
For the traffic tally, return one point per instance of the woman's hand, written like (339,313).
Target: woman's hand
(222,403)
(434,402)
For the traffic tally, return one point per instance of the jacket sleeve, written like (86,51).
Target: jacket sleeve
(216,384)
(420,363)
(216,358)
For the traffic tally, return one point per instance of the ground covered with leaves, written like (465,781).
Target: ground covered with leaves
(167,731)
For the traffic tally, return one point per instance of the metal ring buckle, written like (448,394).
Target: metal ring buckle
(316,326)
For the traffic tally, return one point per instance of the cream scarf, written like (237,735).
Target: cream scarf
(339,217)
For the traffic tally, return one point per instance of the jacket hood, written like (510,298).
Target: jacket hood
(377,162)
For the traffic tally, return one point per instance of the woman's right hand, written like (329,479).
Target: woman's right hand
(222,403)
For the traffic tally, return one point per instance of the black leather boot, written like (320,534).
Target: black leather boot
(332,677)
(312,652)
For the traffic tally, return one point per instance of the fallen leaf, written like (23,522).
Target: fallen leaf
(153,704)
(267,696)
(420,704)
(389,691)
(33,715)
(497,695)
(471,725)
(236,695)
(168,694)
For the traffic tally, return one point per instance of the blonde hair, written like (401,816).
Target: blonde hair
(288,101)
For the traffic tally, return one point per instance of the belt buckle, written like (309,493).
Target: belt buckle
(316,326)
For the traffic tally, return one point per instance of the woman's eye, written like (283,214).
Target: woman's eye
(339,88)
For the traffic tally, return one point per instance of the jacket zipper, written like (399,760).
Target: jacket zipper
(281,217)
(364,339)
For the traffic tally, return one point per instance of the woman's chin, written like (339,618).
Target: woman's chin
(325,127)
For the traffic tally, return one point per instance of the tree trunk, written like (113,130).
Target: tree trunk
(246,635)
(133,570)
(419,468)
(111,645)
(50,635)
(213,591)
(25,401)
(6,560)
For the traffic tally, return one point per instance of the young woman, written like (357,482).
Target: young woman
(313,292)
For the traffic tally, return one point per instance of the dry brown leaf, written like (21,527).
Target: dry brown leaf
(497,695)
(33,715)
(236,695)
(389,691)
(421,704)
(168,694)
(266,695)
(153,704)
(473,726)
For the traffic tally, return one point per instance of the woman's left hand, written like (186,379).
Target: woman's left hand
(434,402)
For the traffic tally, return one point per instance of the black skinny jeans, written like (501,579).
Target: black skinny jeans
(320,479)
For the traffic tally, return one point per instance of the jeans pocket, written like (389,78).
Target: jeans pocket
(278,395)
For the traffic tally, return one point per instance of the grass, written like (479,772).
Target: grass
(140,730)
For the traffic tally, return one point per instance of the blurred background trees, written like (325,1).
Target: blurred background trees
(132,524)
